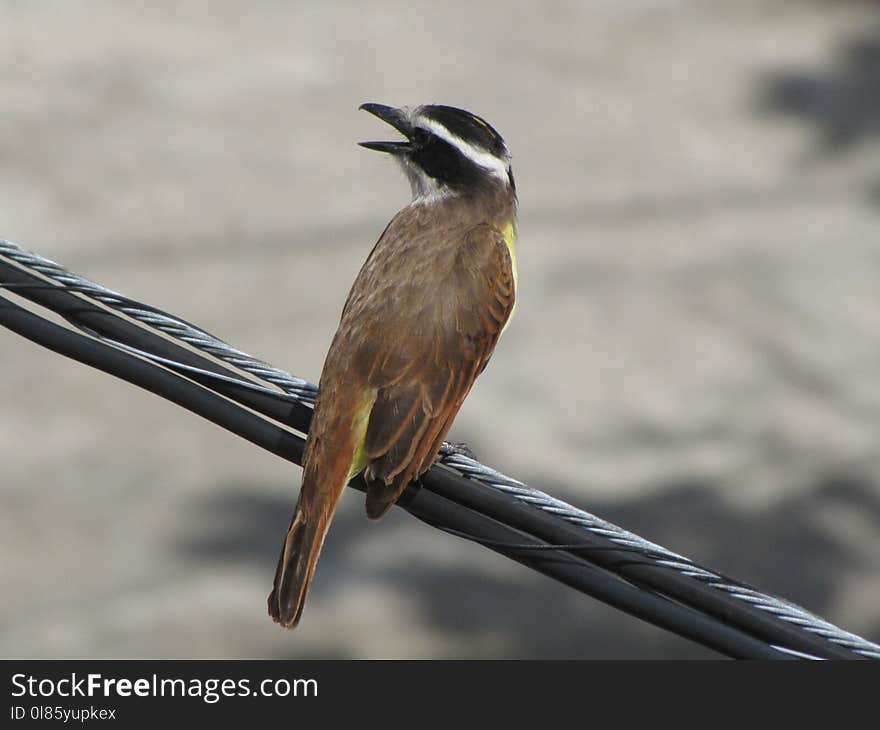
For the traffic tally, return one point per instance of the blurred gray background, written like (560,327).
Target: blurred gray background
(695,354)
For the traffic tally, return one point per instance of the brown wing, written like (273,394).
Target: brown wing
(423,381)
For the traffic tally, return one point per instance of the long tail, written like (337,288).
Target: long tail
(334,454)
(296,566)
(322,486)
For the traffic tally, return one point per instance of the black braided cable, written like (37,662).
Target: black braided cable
(633,573)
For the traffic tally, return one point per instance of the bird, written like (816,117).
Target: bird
(419,325)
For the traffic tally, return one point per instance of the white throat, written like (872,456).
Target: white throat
(425,189)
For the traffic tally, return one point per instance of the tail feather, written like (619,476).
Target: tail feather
(296,567)
(333,455)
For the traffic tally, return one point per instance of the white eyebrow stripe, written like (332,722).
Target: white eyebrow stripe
(484,159)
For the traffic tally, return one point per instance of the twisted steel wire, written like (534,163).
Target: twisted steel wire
(175,327)
(781,609)
(305,392)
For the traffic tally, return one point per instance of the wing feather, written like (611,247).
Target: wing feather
(421,390)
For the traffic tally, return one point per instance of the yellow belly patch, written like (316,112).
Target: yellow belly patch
(359,424)
(509,234)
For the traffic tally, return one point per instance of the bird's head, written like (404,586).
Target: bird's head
(447,151)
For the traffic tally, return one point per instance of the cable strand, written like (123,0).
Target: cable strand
(706,587)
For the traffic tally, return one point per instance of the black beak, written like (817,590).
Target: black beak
(396,119)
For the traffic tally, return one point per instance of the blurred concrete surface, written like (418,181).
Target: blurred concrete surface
(695,354)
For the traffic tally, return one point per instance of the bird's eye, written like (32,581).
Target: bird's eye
(420,136)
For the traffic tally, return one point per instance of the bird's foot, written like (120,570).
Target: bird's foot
(457,448)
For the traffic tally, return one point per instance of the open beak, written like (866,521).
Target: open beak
(397,119)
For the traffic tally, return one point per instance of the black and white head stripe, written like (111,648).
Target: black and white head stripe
(447,152)
(472,136)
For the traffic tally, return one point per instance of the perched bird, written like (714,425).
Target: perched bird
(419,325)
